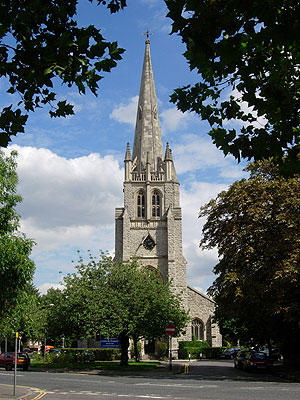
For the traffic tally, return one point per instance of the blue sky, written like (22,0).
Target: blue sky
(71,169)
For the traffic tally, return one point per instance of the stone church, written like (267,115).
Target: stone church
(149,226)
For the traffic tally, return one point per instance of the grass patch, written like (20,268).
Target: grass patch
(98,365)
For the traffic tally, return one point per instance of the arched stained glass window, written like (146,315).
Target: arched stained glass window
(198,329)
(156,204)
(141,204)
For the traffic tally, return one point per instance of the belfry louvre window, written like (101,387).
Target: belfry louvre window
(156,206)
(141,204)
(197,329)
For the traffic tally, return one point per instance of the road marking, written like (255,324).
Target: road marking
(143,396)
(276,388)
(41,393)
(75,380)
(179,385)
(10,374)
(89,393)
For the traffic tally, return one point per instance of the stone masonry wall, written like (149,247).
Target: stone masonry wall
(202,307)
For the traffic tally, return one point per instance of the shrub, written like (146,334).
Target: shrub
(162,349)
(192,349)
(107,354)
(94,354)
(139,349)
(213,352)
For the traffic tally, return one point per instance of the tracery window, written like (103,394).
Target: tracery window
(156,204)
(156,271)
(198,329)
(141,204)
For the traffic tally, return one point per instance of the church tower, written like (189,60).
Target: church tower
(149,226)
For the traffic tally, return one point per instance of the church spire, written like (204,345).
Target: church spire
(147,138)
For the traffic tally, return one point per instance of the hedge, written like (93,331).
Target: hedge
(191,349)
(106,354)
(213,352)
(100,354)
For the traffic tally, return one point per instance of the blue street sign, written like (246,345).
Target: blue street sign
(112,343)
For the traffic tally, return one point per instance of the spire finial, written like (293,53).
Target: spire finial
(168,153)
(147,33)
(127,154)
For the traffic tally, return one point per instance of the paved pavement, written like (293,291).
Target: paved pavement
(21,393)
(178,367)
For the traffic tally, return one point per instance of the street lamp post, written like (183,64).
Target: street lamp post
(44,345)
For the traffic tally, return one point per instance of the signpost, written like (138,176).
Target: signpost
(15,363)
(170,330)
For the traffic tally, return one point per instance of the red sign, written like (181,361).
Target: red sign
(170,329)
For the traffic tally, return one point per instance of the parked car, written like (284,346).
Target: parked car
(230,352)
(27,350)
(7,360)
(55,351)
(239,358)
(276,355)
(256,361)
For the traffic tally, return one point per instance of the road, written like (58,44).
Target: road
(206,380)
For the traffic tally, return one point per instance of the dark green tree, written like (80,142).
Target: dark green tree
(255,225)
(52,310)
(247,54)
(41,44)
(25,317)
(121,300)
(16,268)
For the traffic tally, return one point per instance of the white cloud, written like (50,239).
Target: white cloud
(200,262)
(45,286)
(194,153)
(60,192)
(68,204)
(173,119)
(126,112)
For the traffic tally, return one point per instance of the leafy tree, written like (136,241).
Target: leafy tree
(248,55)
(255,226)
(24,317)
(16,268)
(40,44)
(121,300)
(53,309)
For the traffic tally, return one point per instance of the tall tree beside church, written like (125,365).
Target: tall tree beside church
(255,225)
(16,268)
(247,54)
(121,300)
(41,43)
(25,317)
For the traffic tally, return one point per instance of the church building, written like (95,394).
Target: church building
(149,225)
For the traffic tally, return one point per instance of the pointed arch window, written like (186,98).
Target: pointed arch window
(198,329)
(156,204)
(141,204)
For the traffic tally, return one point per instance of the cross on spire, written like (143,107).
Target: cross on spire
(147,33)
